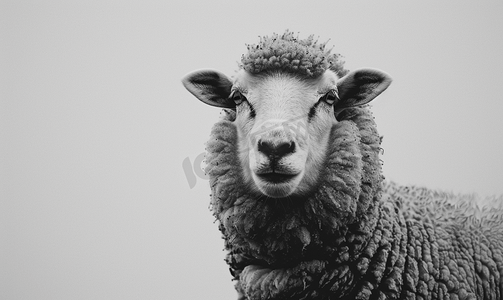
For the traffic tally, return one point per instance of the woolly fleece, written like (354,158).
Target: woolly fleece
(287,53)
(354,236)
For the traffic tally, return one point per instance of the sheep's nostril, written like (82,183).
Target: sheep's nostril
(277,150)
(285,148)
(265,147)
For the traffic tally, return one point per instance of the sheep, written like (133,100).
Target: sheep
(299,195)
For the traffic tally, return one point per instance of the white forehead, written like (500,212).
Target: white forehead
(283,95)
(278,81)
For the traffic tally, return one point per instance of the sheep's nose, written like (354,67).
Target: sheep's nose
(276,150)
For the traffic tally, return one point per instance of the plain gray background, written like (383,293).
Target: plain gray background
(95,125)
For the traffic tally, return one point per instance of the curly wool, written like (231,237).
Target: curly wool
(354,237)
(274,243)
(452,250)
(288,53)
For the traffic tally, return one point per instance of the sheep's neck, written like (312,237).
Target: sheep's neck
(341,271)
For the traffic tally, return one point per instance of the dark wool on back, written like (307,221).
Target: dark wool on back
(355,237)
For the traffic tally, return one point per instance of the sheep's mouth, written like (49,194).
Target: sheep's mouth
(275,177)
(276,182)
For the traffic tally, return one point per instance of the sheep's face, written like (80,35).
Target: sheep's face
(284,120)
(283,123)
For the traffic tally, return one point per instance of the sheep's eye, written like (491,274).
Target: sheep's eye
(237,97)
(331,97)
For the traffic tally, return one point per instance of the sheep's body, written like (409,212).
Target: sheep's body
(404,243)
(449,251)
(352,236)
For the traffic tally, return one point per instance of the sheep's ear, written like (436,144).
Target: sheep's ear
(360,87)
(211,87)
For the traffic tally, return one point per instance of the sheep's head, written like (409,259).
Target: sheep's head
(293,165)
(287,96)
